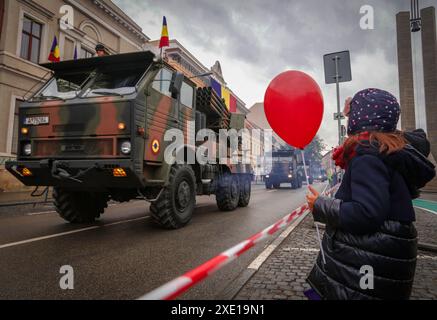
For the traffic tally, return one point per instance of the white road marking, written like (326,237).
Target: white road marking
(56,235)
(302,249)
(430,211)
(40,213)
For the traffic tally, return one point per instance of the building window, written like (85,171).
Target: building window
(14,148)
(85,53)
(187,95)
(31,40)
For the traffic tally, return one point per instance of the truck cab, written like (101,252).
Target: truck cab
(284,170)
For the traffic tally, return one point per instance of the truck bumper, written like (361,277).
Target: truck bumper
(279,179)
(91,174)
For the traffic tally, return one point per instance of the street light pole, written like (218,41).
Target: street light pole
(337,84)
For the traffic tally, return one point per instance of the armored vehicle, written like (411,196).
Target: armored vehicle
(96,131)
(285,169)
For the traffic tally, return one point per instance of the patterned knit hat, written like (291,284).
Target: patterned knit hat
(373,110)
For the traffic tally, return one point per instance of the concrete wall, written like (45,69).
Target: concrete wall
(405,68)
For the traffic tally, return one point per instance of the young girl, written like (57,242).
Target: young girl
(370,243)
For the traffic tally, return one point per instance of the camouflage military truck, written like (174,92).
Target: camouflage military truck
(95,132)
(284,169)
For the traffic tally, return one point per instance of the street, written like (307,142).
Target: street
(124,255)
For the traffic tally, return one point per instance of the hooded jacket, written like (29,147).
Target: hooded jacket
(370,223)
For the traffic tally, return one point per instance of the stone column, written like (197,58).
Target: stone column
(429,53)
(405,67)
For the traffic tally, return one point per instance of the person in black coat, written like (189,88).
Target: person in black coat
(369,223)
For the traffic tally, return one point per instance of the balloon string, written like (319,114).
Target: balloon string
(315,223)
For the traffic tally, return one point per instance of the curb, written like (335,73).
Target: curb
(231,291)
(427,247)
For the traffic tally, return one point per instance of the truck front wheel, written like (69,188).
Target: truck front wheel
(175,206)
(228,192)
(79,206)
(245,189)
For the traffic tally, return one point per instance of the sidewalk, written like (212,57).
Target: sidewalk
(282,276)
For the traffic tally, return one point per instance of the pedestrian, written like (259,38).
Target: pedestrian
(370,241)
(329,178)
(101,50)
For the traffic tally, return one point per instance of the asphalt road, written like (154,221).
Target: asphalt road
(124,255)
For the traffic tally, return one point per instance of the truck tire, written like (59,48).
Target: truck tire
(174,208)
(245,190)
(228,193)
(79,206)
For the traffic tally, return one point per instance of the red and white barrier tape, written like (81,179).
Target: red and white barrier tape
(176,287)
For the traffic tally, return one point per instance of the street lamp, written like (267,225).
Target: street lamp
(415,20)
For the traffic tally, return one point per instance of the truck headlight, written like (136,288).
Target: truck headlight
(27,149)
(126,147)
(289,175)
(267,176)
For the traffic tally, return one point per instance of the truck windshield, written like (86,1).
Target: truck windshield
(114,82)
(63,86)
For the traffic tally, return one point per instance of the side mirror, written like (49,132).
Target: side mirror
(176,84)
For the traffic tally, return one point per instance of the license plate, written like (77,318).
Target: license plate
(36,120)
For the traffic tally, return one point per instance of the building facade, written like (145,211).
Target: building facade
(28,28)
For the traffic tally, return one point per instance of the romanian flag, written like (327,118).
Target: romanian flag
(226,96)
(164,42)
(55,54)
(217,87)
(233,104)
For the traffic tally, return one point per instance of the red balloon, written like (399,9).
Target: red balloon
(293,105)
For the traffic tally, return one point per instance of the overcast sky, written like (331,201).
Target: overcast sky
(255,40)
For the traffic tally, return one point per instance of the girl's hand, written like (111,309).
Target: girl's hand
(312,197)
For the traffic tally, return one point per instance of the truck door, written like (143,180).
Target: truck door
(162,114)
(187,113)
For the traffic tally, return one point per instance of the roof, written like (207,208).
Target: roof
(178,45)
(121,17)
(257,116)
(142,57)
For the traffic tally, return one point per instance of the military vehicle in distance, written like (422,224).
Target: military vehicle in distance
(95,132)
(285,169)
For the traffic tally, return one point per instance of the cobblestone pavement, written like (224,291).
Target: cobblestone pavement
(283,274)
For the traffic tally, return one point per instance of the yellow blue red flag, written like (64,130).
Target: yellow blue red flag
(55,54)
(164,42)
